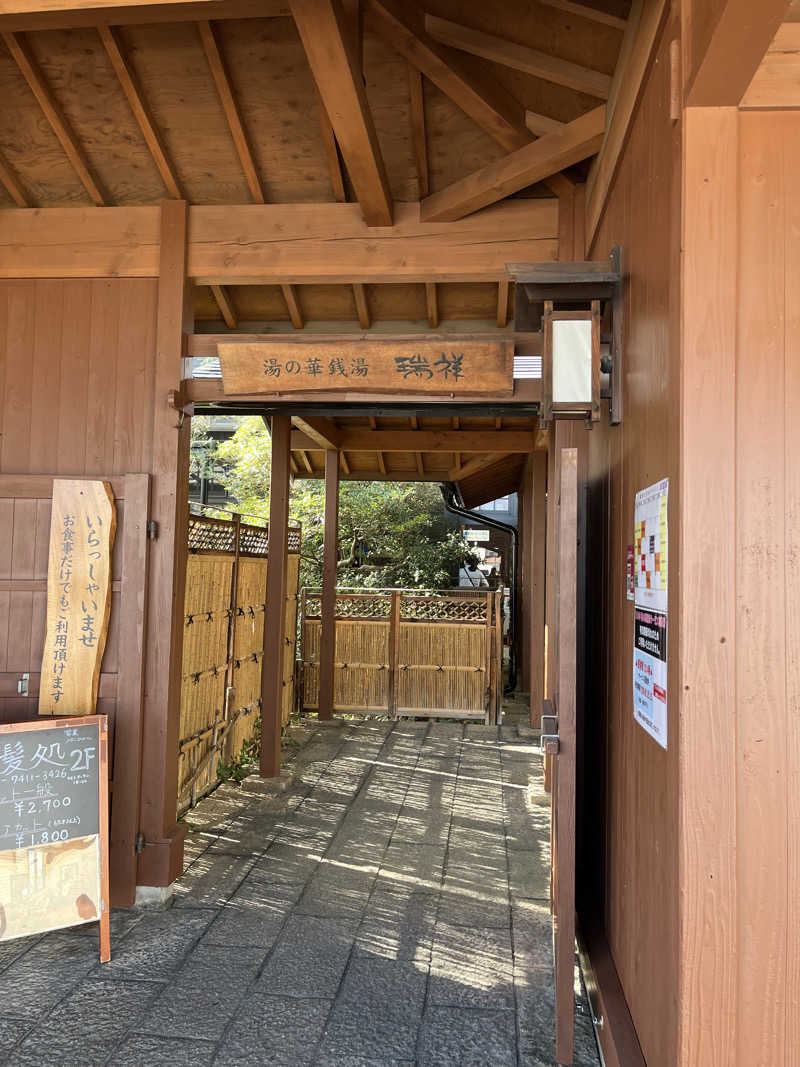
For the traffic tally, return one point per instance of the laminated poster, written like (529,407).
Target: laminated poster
(650,557)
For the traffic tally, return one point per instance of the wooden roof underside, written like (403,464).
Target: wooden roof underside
(129,103)
(484,455)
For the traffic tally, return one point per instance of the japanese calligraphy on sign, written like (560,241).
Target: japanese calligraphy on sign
(54,826)
(82,528)
(368,366)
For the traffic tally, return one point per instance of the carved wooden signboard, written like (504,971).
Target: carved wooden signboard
(457,367)
(82,528)
(53,826)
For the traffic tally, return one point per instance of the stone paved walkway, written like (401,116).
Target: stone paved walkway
(389,909)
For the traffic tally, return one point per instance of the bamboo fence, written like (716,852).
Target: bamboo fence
(223,646)
(400,652)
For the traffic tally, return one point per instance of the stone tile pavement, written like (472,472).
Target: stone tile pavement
(388,909)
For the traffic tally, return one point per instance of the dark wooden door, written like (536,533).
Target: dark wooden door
(563,753)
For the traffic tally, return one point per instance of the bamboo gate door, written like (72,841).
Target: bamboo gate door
(559,741)
(402,652)
(223,645)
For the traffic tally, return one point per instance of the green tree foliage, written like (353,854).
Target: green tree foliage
(390,533)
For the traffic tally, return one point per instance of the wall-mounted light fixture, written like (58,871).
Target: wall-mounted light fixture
(578,307)
(571,362)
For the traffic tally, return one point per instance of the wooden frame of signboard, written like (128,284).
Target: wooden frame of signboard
(89,869)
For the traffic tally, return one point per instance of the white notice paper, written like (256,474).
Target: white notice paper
(650,559)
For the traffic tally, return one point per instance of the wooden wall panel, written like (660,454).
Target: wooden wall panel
(708,1014)
(77,362)
(641,817)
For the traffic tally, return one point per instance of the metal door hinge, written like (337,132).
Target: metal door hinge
(152,529)
(22,685)
(140,843)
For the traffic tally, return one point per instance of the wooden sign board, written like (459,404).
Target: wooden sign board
(54,827)
(451,367)
(82,528)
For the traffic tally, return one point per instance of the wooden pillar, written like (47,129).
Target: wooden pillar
(327,643)
(536,519)
(272,663)
(161,860)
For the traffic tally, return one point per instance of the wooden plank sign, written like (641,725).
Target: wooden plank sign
(54,827)
(452,367)
(82,528)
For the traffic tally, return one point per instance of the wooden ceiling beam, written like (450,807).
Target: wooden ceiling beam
(502,303)
(292,305)
(724,65)
(331,154)
(306,461)
(539,125)
(373,425)
(219,72)
(141,113)
(419,142)
(344,463)
(637,48)
(519,57)
(432,303)
(52,112)
(225,305)
(533,163)
(279,244)
(378,475)
(362,307)
(583,11)
(401,24)
(10,183)
(20,16)
(325,37)
(472,466)
(506,441)
(324,431)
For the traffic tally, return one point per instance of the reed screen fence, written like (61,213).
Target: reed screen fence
(402,652)
(223,645)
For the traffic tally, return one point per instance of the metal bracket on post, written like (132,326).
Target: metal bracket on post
(549,737)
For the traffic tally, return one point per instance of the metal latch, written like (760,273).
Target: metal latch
(549,738)
(22,685)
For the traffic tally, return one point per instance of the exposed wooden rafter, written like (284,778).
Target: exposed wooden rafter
(539,125)
(432,303)
(331,154)
(225,305)
(472,466)
(222,80)
(362,307)
(22,15)
(324,39)
(535,162)
(72,149)
(401,23)
(10,183)
(141,113)
(292,305)
(417,440)
(519,57)
(373,425)
(502,302)
(638,43)
(594,14)
(324,432)
(416,97)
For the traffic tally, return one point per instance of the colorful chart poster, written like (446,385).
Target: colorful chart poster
(650,558)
